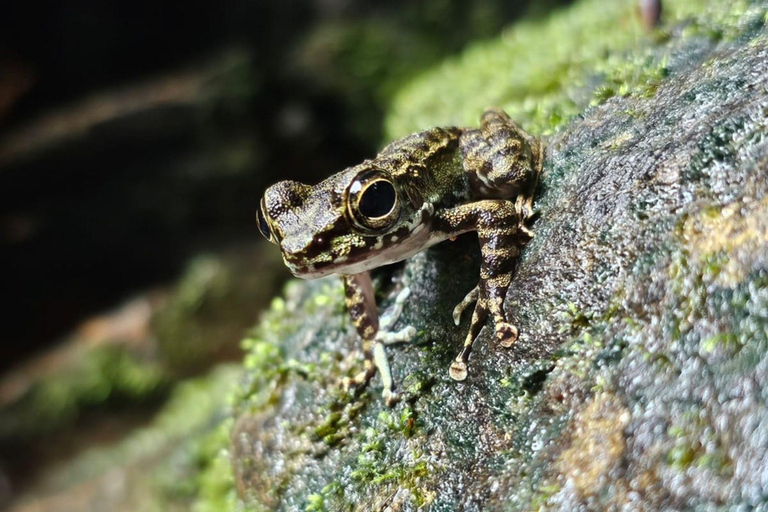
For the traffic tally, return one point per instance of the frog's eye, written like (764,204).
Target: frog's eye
(263,225)
(377,200)
(372,200)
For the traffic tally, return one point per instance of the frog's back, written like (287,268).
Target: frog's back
(430,162)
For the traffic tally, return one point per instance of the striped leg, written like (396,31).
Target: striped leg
(361,305)
(458,369)
(498,224)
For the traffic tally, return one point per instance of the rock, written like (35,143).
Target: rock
(642,302)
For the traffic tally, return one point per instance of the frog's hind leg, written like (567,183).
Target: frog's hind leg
(502,160)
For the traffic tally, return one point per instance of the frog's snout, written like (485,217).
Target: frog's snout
(286,196)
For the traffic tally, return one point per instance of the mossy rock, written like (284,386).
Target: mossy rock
(642,301)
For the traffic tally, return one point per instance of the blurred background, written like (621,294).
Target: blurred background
(135,135)
(135,141)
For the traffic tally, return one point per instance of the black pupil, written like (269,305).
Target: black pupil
(378,199)
(263,226)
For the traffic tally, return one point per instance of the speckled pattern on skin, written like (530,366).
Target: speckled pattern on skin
(420,190)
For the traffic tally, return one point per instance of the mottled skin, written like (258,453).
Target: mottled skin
(420,190)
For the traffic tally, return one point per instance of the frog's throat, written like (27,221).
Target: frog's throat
(419,240)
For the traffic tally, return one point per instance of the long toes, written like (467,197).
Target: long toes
(458,370)
(457,314)
(506,334)
(527,233)
(390,397)
(404,335)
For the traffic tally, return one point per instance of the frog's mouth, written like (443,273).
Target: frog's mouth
(360,252)
(376,252)
(381,251)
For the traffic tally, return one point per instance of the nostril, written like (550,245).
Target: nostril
(287,195)
(296,246)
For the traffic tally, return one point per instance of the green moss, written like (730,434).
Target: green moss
(696,445)
(375,465)
(366,61)
(210,307)
(327,500)
(177,458)
(265,344)
(533,71)
(638,76)
(543,494)
(717,20)
(180,322)
(544,72)
(92,378)
(214,481)
(681,456)
(726,341)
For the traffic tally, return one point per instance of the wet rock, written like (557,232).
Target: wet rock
(642,302)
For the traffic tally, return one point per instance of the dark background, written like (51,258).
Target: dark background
(134,135)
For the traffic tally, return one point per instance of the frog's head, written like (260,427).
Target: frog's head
(358,219)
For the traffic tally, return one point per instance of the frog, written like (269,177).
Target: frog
(420,190)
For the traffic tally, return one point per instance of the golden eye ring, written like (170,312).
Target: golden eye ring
(372,200)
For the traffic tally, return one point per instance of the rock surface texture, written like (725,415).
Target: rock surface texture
(640,379)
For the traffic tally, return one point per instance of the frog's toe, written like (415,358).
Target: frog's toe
(457,311)
(467,301)
(390,397)
(361,379)
(458,370)
(506,333)
(527,233)
(404,335)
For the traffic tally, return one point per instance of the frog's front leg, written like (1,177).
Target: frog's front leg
(499,227)
(361,304)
